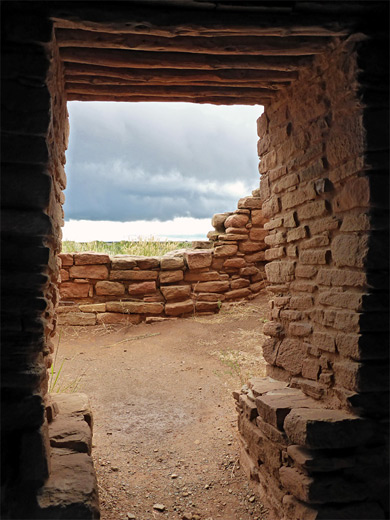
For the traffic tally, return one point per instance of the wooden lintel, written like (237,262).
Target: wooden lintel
(168,76)
(180,60)
(168,21)
(157,81)
(226,100)
(243,45)
(166,91)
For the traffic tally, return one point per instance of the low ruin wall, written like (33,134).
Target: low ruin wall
(98,289)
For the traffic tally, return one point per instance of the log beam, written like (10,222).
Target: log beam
(256,46)
(167,76)
(225,100)
(169,21)
(166,91)
(179,60)
(104,80)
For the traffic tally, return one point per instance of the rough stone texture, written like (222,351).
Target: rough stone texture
(109,288)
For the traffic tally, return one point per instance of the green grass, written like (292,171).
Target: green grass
(142,247)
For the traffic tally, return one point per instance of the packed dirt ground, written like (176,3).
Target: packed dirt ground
(165,439)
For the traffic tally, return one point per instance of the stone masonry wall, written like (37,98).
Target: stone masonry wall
(96,288)
(314,433)
(34,139)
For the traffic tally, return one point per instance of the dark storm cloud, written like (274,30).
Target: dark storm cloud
(158,161)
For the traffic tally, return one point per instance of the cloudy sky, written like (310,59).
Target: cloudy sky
(165,162)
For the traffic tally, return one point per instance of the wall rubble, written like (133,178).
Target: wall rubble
(314,433)
(96,288)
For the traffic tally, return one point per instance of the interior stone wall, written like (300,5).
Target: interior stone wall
(314,434)
(96,288)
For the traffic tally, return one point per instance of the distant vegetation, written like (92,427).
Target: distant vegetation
(141,247)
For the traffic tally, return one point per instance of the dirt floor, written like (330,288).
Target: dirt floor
(165,435)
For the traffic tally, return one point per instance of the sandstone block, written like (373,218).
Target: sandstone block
(109,288)
(218,221)
(273,224)
(310,368)
(262,385)
(147,262)
(225,250)
(296,233)
(258,218)
(275,239)
(258,234)
(96,272)
(66,259)
(178,308)
(290,220)
(136,289)
(346,300)
(91,258)
(236,221)
(77,318)
(140,275)
(285,182)
(112,318)
(297,197)
(274,253)
(314,461)
(235,263)
(305,271)
(176,292)
(324,341)
(273,328)
(210,297)
(201,276)
(326,429)
(341,277)
(239,283)
(71,432)
(249,203)
(71,486)
(233,237)
(349,250)
(271,207)
(198,259)
(324,224)
(238,293)
(290,355)
(301,302)
(171,276)
(274,406)
(318,241)
(321,490)
(255,257)
(120,262)
(311,210)
(280,272)
(171,262)
(258,286)
(355,194)
(93,307)
(234,230)
(74,290)
(204,306)
(359,222)
(64,274)
(249,271)
(135,307)
(251,247)
(314,256)
(214,287)
(297,328)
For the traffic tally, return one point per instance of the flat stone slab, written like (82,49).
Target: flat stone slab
(71,432)
(319,461)
(76,404)
(71,490)
(274,406)
(262,385)
(326,429)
